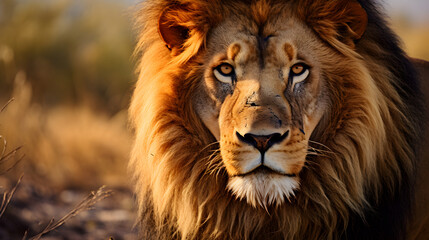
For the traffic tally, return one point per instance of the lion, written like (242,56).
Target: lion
(263,119)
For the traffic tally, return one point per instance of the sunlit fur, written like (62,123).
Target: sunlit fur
(367,136)
(263,190)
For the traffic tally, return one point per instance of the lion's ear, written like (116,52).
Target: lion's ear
(183,28)
(344,20)
(355,19)
(173,28)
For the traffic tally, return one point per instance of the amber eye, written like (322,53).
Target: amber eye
(225,69)
(298,69)
(225,73)
(299,72)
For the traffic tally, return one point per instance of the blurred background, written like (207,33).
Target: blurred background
(410,20)
(68,66)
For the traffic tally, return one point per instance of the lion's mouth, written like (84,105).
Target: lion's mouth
(262,169)
(264,186)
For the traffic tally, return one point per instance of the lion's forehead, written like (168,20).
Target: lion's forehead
(269,50)
(269,44)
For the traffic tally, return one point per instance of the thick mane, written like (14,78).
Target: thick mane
(364,178)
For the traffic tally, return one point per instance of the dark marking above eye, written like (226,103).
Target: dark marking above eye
(262,46)
(268,37)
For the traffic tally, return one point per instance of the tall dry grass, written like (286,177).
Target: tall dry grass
(82,206)
(10,158)
(67,146)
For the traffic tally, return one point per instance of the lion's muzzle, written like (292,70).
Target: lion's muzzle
(262,142)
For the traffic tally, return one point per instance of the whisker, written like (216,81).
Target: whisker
(312,165)
(312,149)
(320,144)
(208,146)
(214,161)
(215,166)
(319,151)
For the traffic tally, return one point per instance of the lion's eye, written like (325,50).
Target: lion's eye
(299,72)
(297,69)
(225,73)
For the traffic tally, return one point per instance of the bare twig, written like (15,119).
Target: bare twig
(5,157)
(4,147)
(4,107)
(84,205)
(14,165)
(7,196)
(10,154)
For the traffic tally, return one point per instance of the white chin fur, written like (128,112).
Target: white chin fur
(263,189)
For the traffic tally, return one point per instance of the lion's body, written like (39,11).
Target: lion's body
(419,227)
(360,108)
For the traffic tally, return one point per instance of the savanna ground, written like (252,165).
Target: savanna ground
(67,66)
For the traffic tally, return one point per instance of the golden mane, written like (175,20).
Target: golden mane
(368,135)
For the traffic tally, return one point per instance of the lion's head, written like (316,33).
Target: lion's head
(266,119)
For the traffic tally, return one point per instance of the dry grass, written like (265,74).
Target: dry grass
(4,107)
(4,158)
(7,197)
(25,122)
(67,146)
(84,205)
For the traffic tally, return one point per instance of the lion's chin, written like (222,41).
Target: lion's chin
(263,189)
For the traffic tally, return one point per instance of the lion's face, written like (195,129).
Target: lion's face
(243,105)
(262,96)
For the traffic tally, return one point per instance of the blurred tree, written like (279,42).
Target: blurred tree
(72,51)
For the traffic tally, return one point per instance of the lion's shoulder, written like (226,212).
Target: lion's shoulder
(422,67)
(420,224)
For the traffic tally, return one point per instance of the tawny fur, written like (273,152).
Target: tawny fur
(174,154)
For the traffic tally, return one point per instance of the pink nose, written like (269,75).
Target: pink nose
(262,142)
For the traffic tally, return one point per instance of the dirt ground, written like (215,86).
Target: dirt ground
(34,205)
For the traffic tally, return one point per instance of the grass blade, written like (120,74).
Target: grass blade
(84,205)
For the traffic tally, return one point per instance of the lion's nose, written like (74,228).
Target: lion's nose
(262,142)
